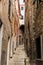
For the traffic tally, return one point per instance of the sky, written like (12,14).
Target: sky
(22,12)
(21,1)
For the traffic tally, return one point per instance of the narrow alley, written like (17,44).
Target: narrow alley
(21,32)
(19,57)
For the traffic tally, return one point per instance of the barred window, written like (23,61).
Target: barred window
(21,8)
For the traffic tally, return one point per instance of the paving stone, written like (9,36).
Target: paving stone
(19,56)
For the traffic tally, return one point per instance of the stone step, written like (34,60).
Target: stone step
(20,57)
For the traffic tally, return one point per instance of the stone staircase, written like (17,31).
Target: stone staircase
(20,57)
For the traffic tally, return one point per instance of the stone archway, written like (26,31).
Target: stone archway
(21,36)
(5,46)
(22,28)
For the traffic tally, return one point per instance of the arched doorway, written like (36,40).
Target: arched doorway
(21,35)
(5,45)
(22,28)
(38,47)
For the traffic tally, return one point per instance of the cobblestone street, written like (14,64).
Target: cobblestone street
(19,57)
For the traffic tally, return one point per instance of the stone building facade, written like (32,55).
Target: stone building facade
(6,30)
(9,27)
(34,16)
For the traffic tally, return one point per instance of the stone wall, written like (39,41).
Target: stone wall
(6,31)
(34,17)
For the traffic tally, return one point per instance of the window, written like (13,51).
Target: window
(23,0)
(9,8)
(21,17)
(21,8)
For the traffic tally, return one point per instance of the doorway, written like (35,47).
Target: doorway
(38,47)
(20,39)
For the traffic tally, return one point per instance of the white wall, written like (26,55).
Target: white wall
(22,11)
(20,1)
(1,35)
(8,52)
(22,21)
